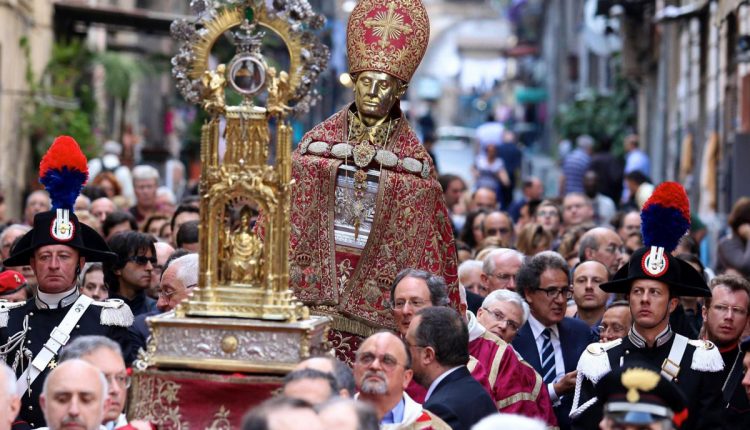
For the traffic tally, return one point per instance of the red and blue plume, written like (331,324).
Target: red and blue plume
(665,216)
(63,171)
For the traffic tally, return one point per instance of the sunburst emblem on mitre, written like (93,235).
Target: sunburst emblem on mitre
(387,36)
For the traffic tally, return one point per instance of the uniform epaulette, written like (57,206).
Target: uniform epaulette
(706,357)
(5,307)
(594,362)
(115,312)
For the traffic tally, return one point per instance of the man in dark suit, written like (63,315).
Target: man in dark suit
(549,341)
(438,341)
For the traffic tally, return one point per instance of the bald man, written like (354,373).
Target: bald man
(73,396)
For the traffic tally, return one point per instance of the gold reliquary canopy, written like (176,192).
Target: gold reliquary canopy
(246,149)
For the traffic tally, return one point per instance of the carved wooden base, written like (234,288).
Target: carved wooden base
(233,345)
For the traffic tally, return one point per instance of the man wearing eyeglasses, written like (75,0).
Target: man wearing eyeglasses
(177,282)
(503,313)
(603,245)
(382,371)
(725,316)
(106,355)
(499,269)
(549,341)
(512,384)
(130,275)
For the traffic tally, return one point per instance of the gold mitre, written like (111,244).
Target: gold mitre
(387,36)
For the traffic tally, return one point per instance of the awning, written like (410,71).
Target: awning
(689,10)
(69,14)
(530,95)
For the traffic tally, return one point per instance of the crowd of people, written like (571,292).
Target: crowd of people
(466,310)
(531,303)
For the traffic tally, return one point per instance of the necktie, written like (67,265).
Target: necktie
(549,370)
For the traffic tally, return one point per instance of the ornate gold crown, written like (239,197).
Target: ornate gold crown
(387,36)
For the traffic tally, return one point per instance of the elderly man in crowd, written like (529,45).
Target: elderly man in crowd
(494,364)
(603,245)
(177,282)
(106,356)
(503,313)
(382,371)
(549,341)
(145,183)
(74,396)
(470,277)
(499,268)
(616,321)
(725,316)
(163,252)
(590,300)
(10,402)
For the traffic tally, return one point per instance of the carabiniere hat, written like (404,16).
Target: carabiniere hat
(63,171)
(638,395)
(665,218)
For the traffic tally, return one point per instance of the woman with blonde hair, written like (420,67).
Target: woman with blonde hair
(533,239)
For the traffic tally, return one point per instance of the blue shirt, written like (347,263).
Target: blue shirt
(395,415)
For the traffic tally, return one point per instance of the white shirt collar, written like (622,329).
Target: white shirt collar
(437,381)
(537,327)
(475,328)
(55,300)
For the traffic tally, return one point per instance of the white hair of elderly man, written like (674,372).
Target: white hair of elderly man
(509,421)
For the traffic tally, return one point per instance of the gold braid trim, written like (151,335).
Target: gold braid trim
(495,368)
(347,325)
(504,403)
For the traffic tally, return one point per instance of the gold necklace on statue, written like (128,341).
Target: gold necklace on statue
(363,153)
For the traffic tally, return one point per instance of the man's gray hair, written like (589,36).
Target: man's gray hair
(102,379)
(144,171)
(85,345)
(41,192)
(367,418)
(9,380)
(585,141)
(435,283)
(589,240)
(510,297)
(165,191)
(20,227)
(488,266)
(509,421)
(468,266)
(186,268)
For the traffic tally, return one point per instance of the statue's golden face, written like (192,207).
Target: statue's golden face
(375,94)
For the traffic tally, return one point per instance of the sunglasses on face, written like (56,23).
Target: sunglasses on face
(142,260)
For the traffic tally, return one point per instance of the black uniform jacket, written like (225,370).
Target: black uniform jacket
(701,388)
(736,403)
(41,322)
